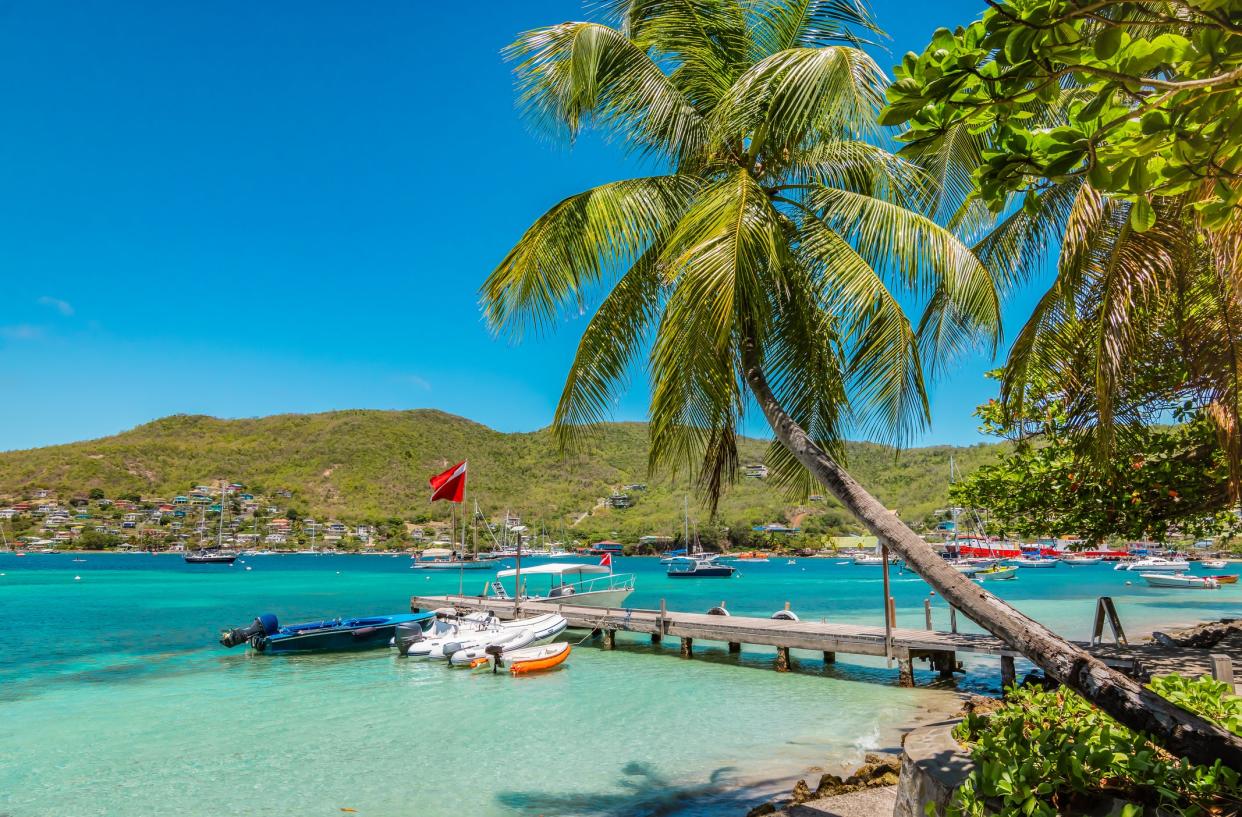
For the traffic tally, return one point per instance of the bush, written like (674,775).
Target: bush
(1046,753)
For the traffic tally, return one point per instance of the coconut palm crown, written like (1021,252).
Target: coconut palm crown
(782,231)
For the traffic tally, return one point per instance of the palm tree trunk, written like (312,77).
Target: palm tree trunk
(1181,732)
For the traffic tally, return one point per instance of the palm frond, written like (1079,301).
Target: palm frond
(610,343)
(572,74)
(573,246)
(777,25)
(704,42)
(883,370)
(799,96)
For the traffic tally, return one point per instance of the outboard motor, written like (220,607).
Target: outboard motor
(406,635)
(495,651)
(265,624)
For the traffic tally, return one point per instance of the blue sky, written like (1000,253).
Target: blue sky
(242,209)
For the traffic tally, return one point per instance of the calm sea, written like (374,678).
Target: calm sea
(115,698)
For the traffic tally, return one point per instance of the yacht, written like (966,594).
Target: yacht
(1155,564)
(699,567)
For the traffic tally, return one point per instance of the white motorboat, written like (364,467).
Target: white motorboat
(1180,580)
(568,584)
(870,561)
(479,630)
(505,640)
(965,568)
(996,573)
(1155,564)
(1031,562)
(1214,564)
(1079,561)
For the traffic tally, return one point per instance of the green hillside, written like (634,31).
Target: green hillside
(371,465)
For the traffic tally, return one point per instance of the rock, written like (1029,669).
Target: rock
(801,793)
(877,770)
(762,810)
(980,705)
(1203,636)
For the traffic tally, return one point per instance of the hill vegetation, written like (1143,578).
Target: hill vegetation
(373,465)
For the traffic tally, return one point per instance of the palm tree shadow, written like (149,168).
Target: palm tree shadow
(644,793)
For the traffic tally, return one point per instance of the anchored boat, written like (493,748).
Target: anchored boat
(1180,580)
(699,568)
(997,572)
(329,635)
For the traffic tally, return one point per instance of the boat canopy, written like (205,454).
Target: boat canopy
(437,553)
(555,569)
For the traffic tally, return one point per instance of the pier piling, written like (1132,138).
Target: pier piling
(735,647)
(687,647)
(830,658)
(1008,674)
(905,671)
(610,640)
(783,662)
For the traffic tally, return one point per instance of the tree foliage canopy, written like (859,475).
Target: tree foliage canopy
(1147,99)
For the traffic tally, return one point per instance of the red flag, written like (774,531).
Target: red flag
(606,561)
(450,485)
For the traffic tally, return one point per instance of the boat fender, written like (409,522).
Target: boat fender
(718,611)
(785,615)
(478,662)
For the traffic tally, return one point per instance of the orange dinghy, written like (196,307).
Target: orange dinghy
(1229,578)
(535,659)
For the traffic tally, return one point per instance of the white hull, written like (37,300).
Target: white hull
(1186,582)
(1032,563)
(1154,566)
(997,575)
(481,564)
(1079,561)
(594,598)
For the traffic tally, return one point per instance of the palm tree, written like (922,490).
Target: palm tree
(770,261)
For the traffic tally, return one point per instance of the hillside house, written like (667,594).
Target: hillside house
(756,471)
(181,500)
(337,529)
(8,513)
(275,539)
(42,493)
(636,486)
(620,501)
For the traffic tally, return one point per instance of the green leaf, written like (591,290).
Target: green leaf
(1108,42)
(1142,216)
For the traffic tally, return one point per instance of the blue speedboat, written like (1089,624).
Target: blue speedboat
(330,635)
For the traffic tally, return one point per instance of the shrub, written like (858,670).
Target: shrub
(1046,753)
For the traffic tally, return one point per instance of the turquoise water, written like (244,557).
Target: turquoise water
(116,700)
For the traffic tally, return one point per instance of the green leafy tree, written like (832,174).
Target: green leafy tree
(97,540)
(1156,109)
(97,493)
(1160,478)
(770,263)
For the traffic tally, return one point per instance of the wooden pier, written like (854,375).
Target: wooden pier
(903,645)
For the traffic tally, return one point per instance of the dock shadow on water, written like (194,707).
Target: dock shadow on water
(644,792)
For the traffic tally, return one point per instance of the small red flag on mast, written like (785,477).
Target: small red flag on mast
(450,485)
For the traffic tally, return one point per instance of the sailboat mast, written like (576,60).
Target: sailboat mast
(220,529)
